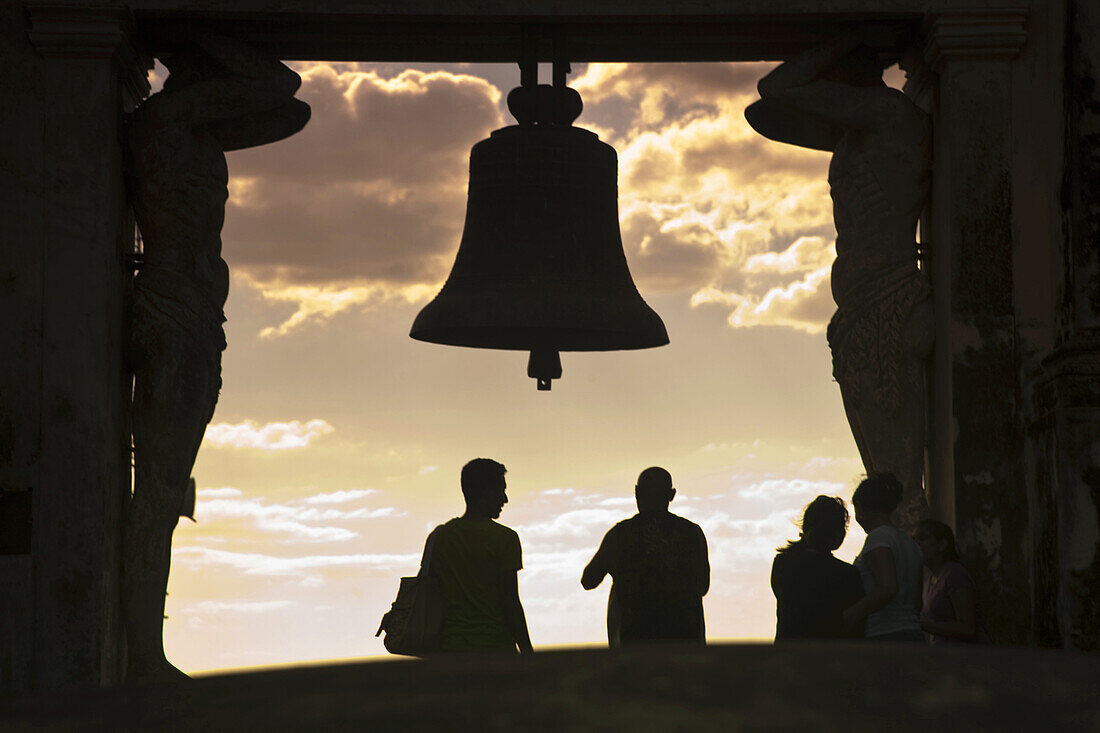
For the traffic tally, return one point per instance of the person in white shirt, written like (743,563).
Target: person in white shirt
(889,564)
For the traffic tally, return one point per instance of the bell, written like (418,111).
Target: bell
(540,267)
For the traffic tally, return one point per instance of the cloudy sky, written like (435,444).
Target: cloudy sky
(337,441)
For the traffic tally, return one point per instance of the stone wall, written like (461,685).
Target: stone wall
(1013,251)
(67,77)
(1059,354)
(1069,397)
(965,74)
(833,688)
(21,265)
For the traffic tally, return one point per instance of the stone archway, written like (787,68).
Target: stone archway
(1013,413)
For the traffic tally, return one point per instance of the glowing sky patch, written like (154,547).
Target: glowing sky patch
(337,441)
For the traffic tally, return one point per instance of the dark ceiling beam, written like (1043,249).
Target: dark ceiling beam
(356,36)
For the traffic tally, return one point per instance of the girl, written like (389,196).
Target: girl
(889,565)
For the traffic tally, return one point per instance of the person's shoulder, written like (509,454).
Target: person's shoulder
(886,536)
(786,556)
(886,533)
(686,523)
(446,530)
(684,520)
(503,530)
(781,565)
(841,566)
(907,544)
(625,524)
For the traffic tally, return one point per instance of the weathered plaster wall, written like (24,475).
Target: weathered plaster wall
(1078,431)
(1013,242)
(964,74)
(989,495)
(1039,101)
(1059,363)
(1082,194)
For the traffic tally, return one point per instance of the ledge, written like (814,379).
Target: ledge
(491,30)
(827,687)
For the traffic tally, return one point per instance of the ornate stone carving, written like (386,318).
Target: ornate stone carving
(220,95)
(833,98)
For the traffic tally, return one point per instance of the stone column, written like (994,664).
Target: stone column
(64,384)
(963,76)
(1064,441)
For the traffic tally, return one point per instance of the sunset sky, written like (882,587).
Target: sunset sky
(338,440)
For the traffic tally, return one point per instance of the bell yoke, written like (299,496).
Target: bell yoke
(541,267)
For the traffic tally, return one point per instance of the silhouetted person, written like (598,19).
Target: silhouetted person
(889,565)
(949,602)
(476,561)
(658,564)
(812,588)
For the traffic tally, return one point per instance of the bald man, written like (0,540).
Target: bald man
(659,569)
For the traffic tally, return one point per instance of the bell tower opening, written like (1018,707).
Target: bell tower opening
(337,439)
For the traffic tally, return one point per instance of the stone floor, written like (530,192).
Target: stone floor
(819,687)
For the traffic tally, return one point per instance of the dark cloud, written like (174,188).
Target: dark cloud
(372,190)
(684,258)
(300,234)
(370,196)
(662,92)
(817,308)
(411,129)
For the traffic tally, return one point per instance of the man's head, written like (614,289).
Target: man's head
(654,490)
(876,498)
(483,487)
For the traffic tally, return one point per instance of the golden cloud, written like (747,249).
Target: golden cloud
(319,303)
(709,206)
(367,201)
(364,207)
(272,436)
(804,305)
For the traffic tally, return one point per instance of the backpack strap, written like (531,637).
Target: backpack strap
(426,560)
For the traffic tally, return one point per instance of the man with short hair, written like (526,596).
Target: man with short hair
(476,561)
(658,564)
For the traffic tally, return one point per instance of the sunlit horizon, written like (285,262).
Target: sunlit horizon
(337,441)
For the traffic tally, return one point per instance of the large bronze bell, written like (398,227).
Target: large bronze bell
(540,267)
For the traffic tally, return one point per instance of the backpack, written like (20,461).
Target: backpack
(414,623)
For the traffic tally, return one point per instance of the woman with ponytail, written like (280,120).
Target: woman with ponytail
(812,588)
(889,565)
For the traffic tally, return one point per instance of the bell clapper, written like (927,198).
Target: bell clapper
(544,365)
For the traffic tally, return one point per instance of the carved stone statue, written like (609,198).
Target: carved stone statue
(220,95)
(833,98)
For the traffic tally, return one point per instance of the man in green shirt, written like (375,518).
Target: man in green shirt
(476,561)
